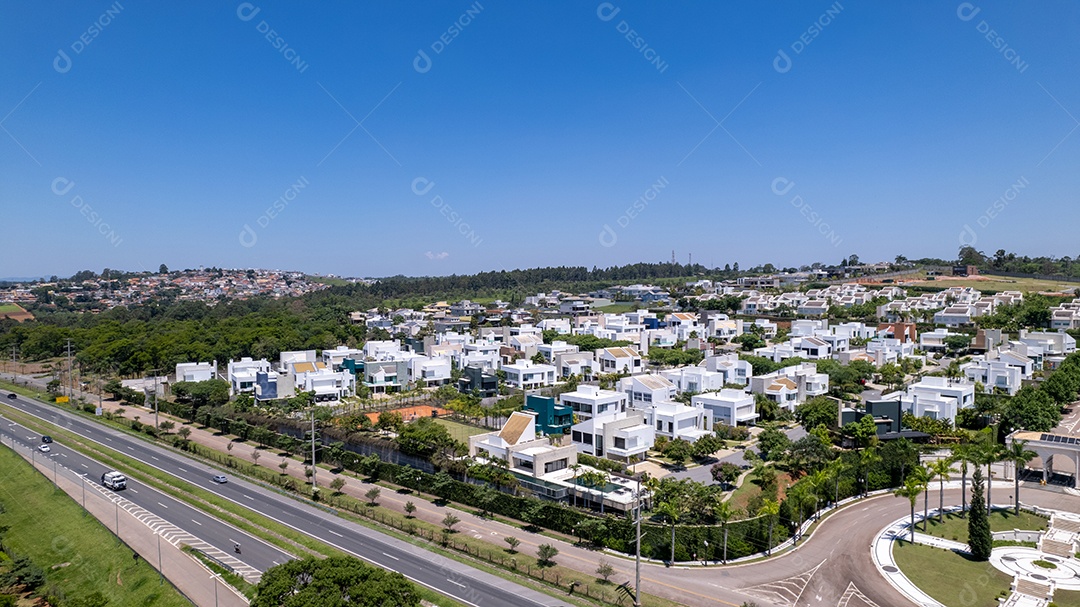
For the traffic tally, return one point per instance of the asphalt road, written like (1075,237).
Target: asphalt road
(254,552)
(456,580)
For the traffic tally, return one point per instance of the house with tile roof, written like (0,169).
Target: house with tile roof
(618,360)
(526,454)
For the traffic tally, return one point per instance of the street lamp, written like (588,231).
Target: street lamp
(637,544)
(161,572)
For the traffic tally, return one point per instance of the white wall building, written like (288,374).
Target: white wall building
(196,371)
(731,407)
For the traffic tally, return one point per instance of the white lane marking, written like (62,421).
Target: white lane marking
(130,448)
(455,583)
(391,556)
(107,438)
(178,468)
(154,458)
(134,491)
(249,497)
(84,465)
(196,522)
(63,455)
(162,505)
(335,533)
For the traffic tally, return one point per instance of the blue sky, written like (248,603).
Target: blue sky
(137,134)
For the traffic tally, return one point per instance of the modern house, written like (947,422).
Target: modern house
(551,418)
(551,351)
(936,397)
(648,388)
(526,375)
(242,372)
(695,379)
(527,456)
(482,380)
(731,407)
(618,360)
(791,386)
(735,369)
(621,436)
(587,402)
(676,420)
(196,372)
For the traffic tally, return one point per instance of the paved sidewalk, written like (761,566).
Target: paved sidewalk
(188,575)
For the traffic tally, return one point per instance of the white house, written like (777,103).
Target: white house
(196,371)
(555,348)
(618,360)
(695,379)
(427,371)
(527,375)
(334,358)
(525,454)
(242,374)
(623,436)
(648,388)
(791,386)
(299,356)
(676,420)
(954,316)
(731,407)
(581,364)
(589,401)
(993,374)
(936,397)
(382,350)
(735,370)
(1059,343)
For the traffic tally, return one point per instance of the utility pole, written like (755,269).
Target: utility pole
(71,379)
(155,372)
(637,547)
(313,483)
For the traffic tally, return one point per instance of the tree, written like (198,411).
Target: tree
(410,508)
(941,469)
(956,343)
(678,451)
(255,453)
(163,269)
(53,387)
(835,469)
(336,580)
(772,443)
(284,465)
(672,510)
(605,570)
(723,513)
(911,490)
(545,553)
(449,521)
(980,540)
(1019,455)
(816,412)
(513,542)
(337,484)
(725,472)
(965,454)
(770,509)
(373,495)
(167,426)
(867,458)
(1032,409)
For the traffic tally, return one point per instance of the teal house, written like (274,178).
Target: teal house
(550,417)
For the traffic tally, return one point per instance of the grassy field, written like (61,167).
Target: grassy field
(750,489)
(79,555)
(1063,598)
(9,307)
(618,308)
(949,577)
(999,283)
(459,431)
(953,527)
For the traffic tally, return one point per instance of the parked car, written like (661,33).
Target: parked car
(44,448)
(220,478)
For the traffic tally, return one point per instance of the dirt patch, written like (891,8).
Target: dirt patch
(15,312)
(410,414)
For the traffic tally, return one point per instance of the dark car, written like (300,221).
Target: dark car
(46,439)
(12,396)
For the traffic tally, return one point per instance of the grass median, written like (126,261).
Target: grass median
(80,556)
(950,577)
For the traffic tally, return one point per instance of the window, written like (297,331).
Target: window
(575,436)
(558,464)
(620,442)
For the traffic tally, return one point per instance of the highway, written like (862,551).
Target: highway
(446,576)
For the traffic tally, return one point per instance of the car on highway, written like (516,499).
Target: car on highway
(220,478)
(12,395)
(46,439)
(44,448)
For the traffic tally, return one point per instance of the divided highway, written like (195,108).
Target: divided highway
(446,576)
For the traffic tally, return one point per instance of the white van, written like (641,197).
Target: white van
(114,480)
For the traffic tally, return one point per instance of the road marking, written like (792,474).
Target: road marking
(107,438)
(335,533)
(196,522)
(455,583)
(84,466)
(130,448)
(180,469)
(391,556)
(134,491)
(63,455)
(154,458)
(249,497)
(162,505)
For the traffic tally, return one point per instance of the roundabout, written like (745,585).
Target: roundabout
(1016,560)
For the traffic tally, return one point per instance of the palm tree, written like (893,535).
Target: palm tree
(672,510)
(836,468)
(817,481)
(867,458)
(576,468)
(723,512)
(941,469)
(921,475)
(770,508)
(965,454)
(604,478)
(911,490)
(1019,455)
(989,453)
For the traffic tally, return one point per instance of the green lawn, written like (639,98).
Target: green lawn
(949,577)
(9,307)
(955,528)
(1063,598)
(459,431)
(618,308)
(50,528)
